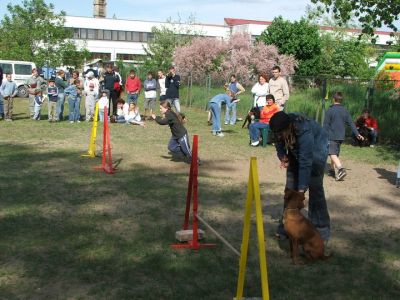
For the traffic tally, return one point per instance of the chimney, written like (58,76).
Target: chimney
(99,8)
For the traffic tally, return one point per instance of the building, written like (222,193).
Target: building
(116,39)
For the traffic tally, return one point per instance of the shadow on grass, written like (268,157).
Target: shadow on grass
(71,232)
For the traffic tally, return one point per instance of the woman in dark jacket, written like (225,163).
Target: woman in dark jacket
(302,148)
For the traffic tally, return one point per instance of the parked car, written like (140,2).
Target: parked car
(21,71)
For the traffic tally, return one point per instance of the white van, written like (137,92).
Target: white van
(21,71)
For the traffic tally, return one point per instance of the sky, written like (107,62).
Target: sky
(204,11)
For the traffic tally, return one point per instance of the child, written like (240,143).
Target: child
(370,123)
(336,118)
(52,94)
(179,142)
(132,115)
(150,95)
(72,93)
(90,101)
(103,102)
(8,91)
(39,99)
(120,116)
(132,87)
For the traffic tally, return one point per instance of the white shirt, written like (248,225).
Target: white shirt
(260,91)
(88,81)
(103,101)
(163,89)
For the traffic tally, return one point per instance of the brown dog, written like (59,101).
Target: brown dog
(300,230)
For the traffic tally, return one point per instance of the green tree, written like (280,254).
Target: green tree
(345,56)
(299,38)
(371,14)
(34,32)
(160,49)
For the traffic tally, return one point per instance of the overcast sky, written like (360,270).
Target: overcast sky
(205,11)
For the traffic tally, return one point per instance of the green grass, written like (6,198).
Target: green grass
(69,232)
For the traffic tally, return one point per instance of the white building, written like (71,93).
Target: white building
(113,39)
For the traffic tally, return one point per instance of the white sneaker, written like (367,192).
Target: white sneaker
(71,122)
(220,134)
(226,123)
(255,144)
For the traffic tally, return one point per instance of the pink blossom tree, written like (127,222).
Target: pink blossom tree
(219,59)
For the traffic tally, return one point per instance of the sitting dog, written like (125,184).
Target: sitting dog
(300,230)
(254,113)
(364,131)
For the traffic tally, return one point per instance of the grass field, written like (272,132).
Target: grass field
(69,232)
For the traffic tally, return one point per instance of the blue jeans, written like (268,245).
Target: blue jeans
(228,118)
(180,146)
(317,207)
(36,111)
(60,106)
(74,108)
(120,119)
(216,117)
(175,102)
(255,128)
(373,134)
(1,106)
(132,98)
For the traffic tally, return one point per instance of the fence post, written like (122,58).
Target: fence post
(191,88)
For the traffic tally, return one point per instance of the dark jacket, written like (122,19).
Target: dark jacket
(310,150)
(171,119)
(109,80)
(336,118)
(61,84)
(172,84)
(1,76)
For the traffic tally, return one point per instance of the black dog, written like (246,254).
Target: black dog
(364,132)
(254,113)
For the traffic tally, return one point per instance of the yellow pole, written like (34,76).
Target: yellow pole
(92,144)
(253,192)
(260,231)
(245,238)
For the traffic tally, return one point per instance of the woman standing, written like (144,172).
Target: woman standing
(302,148)
(260,90)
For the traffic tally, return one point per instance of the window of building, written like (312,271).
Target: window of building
(121,36)
(76,33)
(100,34)
(115,35)
(129,36)
(91,34)
(103,56)
(83,34)
(135,37)
(133,57)
(107,34)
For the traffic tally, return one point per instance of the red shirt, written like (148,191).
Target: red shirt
(133,85)
(371,123)
(267,112)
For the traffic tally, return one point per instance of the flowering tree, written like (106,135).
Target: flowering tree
(219,58)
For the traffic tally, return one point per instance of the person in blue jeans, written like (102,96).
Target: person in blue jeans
(236,88)
(302,148)
(61,85)
(215,107)
(74,100)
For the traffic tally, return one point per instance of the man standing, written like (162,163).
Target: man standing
(172,83)
(236,88)
(278,87)
(111,80)
(34,84)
